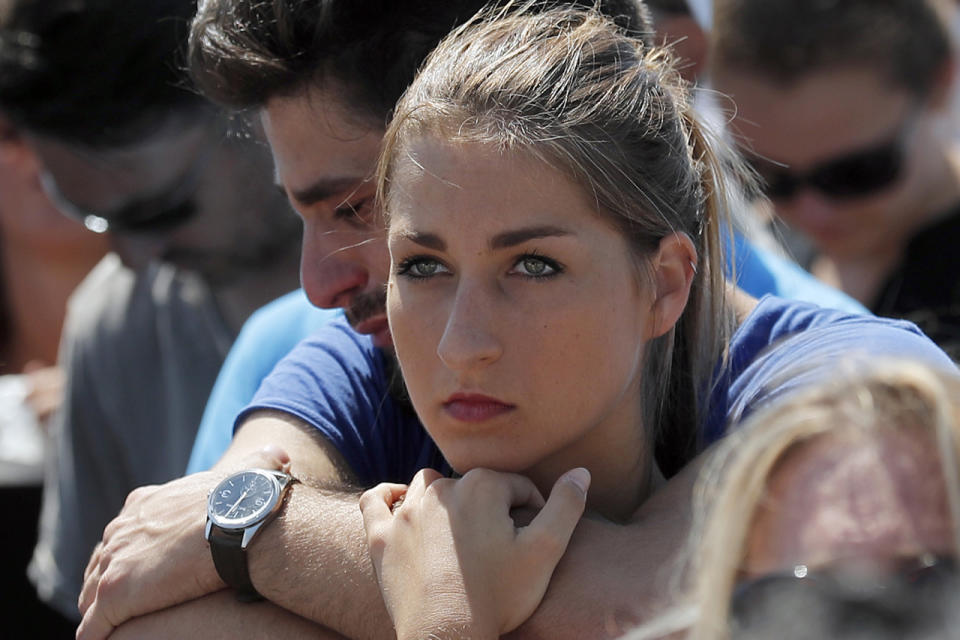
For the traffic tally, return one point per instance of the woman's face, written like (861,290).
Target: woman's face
(516,311)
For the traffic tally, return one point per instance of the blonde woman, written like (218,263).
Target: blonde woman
(833,513)
(559,311)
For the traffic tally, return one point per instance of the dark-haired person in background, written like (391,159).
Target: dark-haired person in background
(200,239)
(845,110)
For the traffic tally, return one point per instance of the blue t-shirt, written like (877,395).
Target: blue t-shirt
(273,330)
(337,381)
(267,335)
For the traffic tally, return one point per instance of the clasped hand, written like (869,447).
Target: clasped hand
(450,560)
(153,554)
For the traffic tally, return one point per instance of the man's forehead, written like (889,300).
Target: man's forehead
(318,157)
(838,497)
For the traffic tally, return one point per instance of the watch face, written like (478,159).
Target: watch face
(242,499)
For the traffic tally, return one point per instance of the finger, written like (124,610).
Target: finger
(94,626)
(520,491)
(90,580)
(376,503)
(488,491)
(421,480)
(94,560)
(550,531)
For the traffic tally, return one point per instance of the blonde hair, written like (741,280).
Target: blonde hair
(573,90)
(865,399)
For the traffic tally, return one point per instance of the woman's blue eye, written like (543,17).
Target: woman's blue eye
(420,268)
(536,267)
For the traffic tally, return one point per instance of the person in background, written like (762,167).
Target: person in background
(833,513)
(844,109)
(43,257)
(200,239)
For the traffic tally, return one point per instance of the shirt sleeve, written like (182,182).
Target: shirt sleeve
(337,382)
(822,352)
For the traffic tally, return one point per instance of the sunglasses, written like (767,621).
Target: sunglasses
(854,175)
(142,216)
(918,598)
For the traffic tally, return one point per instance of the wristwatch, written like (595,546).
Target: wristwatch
(236,510)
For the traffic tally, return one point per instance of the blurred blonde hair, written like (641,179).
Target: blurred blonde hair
(573,90)
(863,400)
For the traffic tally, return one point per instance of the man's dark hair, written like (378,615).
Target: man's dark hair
(783,40)
(244,52)
(669,7)
(95,72)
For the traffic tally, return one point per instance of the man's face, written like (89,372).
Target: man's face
(191,195)
(325,160)
(824,118)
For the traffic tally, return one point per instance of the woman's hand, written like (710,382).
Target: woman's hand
(451,562)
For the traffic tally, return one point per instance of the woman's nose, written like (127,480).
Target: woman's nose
(469,340)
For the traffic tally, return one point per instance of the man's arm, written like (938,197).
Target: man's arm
(313,559)
(219,616)
(614,576)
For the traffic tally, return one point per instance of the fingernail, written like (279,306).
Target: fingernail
(580,477)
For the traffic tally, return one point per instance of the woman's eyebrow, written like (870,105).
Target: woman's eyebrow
(519,236)
(501,240)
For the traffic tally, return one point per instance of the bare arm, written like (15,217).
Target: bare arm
(311,560)
(614,576)
(219,616)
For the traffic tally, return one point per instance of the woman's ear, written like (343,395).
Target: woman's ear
(673,268)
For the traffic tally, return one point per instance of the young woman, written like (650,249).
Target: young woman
(558,308)
(840,506)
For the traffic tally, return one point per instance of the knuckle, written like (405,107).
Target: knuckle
(550,544)
(111,586)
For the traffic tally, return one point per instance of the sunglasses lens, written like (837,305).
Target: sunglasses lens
(776,182)
(860,175)
(915,603)
(154,222)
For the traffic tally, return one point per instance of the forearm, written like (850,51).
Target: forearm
(220,616)
(312,560)
(614,576)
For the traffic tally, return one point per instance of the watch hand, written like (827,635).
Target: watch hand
(239,500)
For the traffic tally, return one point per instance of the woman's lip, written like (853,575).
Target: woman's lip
(475,407)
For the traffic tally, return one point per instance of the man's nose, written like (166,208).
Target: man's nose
(469,340)
(330,274)
(813,208)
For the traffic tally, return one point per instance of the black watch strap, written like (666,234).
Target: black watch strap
(231,562)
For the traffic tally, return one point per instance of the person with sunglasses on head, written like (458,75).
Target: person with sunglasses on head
(199,239)
(844,109)
(832,513)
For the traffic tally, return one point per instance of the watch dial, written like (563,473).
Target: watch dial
(243,497)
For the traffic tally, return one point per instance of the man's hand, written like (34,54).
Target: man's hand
(153,554)
(450,560)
